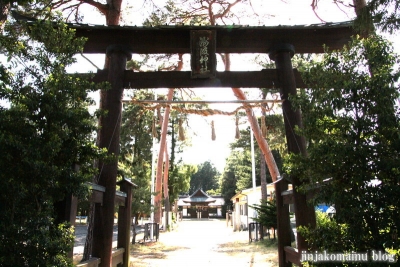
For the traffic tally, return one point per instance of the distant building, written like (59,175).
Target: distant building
(242,213)
(201,205)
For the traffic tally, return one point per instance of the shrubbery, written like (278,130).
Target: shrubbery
(45,133)
(351,119)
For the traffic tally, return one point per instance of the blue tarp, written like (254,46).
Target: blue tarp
(322,207)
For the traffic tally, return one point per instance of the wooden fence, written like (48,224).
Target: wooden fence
(117,258)
(123,198)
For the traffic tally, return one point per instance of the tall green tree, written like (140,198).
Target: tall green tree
(237,174)
(46,133)
(352,126)
(205,178)
(179,173)
(136,151)
(242,160)
(139,125)
(228,181)
(179,182)
(385,14)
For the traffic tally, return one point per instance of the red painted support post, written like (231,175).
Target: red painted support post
(109,139)
(125,220)
(281,54)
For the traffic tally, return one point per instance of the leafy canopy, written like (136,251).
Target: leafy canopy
(206,178)
(45,139)
(351,121)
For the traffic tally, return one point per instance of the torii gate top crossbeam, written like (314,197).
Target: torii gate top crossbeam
(229,39)
(203,102)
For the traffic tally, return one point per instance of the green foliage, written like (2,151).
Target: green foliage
(240,156)
(136,151)
(179,181)
(136,154)
(179,173)
(385,14)
(276,137)
(214,192)
(266,213)
(237,174)
(327,229)
(45,133)
(205,178)
(228,181)
(352,124)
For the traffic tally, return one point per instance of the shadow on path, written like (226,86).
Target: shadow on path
(205,243)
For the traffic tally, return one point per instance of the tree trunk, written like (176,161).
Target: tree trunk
(163,140)
(172,160)
(87,251)
(113,12)
(263,171)
(163,149)
(365,25)
(263,177)
(358,6)
(166,195)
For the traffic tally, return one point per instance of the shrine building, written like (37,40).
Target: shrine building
(201,205)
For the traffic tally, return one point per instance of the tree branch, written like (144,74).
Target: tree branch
(101,7)
(228,9)
(314,6)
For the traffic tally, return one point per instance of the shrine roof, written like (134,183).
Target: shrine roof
(199,196)
(219,201)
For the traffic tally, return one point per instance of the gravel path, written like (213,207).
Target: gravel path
(204,243)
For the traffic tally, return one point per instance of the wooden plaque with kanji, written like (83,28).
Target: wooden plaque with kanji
(203,59)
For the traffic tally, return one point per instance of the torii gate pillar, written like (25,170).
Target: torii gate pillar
(109,135)
(282,54)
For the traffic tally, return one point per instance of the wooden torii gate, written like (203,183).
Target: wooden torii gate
(280,42)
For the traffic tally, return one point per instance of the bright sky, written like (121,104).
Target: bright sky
(289,12)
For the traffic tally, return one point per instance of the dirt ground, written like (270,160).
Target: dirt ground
(205,243)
